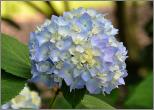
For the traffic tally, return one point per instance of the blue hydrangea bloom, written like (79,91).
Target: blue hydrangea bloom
(80,48)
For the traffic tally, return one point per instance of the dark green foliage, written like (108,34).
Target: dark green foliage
(15,57)
(15,67)
(10,86)
(88,102)
(109,98)
(61,103)
(142,95)
(75,96)
(91,102)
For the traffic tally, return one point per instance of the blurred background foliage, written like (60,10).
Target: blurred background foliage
(134,19)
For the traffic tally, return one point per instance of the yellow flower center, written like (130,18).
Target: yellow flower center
(87,56)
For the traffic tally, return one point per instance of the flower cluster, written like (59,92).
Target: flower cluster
(25,99)
(80,48)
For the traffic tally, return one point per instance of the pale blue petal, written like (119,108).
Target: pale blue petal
(67,77)
(92,72)
(109,54)
(76,73)
(42,52)
(84,23)
(121,81)
(85,76)
(92,85)
(43,66)
(43,37)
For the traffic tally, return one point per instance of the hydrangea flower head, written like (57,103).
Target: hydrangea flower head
(26,99)
(80,48)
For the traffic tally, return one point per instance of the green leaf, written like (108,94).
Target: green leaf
(142,96)
(15,57)
(61,103)
(91,102)
(75,96)
(109,98)
(10,86)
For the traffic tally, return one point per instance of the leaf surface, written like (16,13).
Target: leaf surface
(75,96)
(142,95)
(10,86)
(15,57)
(91,102)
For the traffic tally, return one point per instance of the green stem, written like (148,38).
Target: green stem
(54,98)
